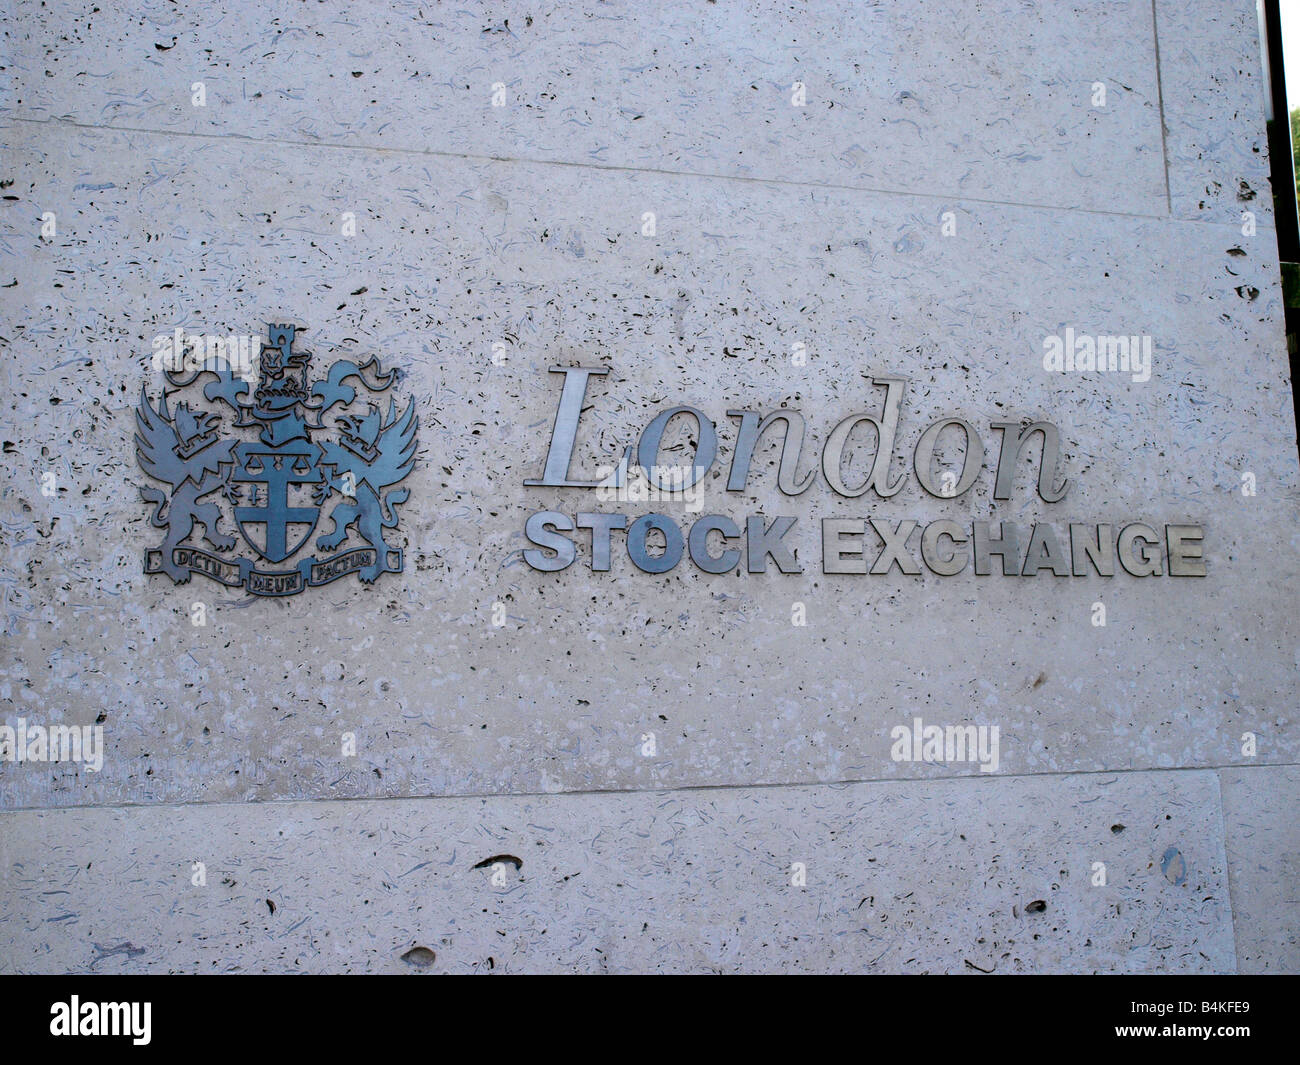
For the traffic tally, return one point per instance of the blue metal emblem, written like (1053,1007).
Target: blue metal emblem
(274,466)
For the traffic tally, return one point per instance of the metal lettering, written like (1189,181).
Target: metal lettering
(565,430)
(953,563)
(1185,551)
(972,463)
(706,450)
(1044,551)
(751,431)
(698,542)
(1144,562)
(895,549)
(637,533)
(1006,546)
(1009,456)
(837,557)
(886,432)
(761,542)
(1095,544)
(538,529)
(601,525)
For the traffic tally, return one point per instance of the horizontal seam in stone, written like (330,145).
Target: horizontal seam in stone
(954,197)
(983,778)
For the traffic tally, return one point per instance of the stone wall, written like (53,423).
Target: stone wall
(729,207)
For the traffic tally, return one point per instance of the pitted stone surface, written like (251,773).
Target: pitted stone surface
(1215,143)
(444,702)
(951,876)
(650,200)
(898,97)
(1263,845)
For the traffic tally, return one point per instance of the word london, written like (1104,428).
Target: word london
(713,541)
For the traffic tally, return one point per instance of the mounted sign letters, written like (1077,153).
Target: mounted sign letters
(946,547)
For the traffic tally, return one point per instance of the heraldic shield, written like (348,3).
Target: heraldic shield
(273,452)
(271,473)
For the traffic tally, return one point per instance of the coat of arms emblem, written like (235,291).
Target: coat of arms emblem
(274,459)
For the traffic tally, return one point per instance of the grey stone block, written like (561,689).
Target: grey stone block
(952,876)
(1262,842)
